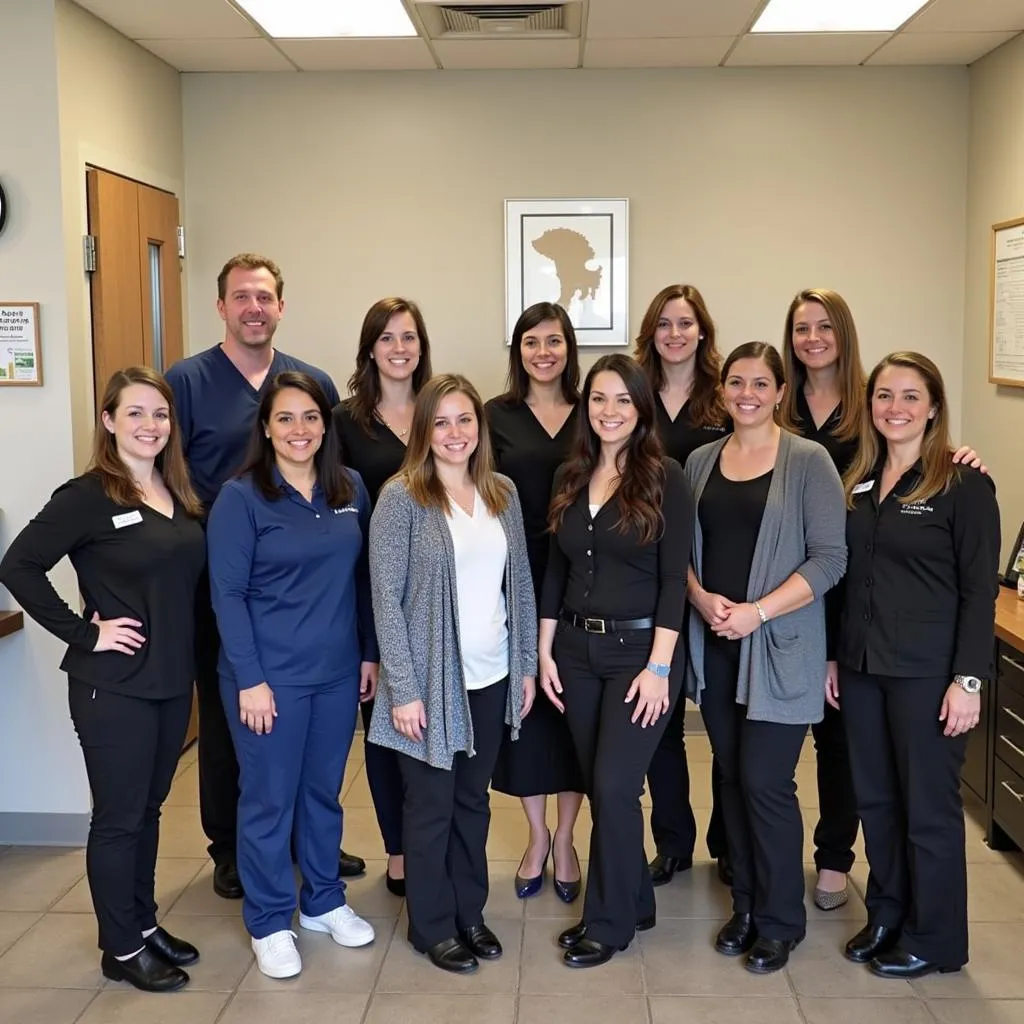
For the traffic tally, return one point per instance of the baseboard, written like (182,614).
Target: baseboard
(23,828)
(693,723)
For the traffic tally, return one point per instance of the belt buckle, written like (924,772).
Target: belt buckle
(594,625)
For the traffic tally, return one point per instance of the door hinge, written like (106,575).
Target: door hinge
(181,242)
(89,253)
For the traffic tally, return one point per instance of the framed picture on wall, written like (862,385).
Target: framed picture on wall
(1006,304)
(1015,566)
(574,252)
(21,363)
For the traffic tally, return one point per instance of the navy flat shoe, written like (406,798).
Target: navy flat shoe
(527,887)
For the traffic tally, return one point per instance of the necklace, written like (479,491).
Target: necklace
(398,433)
(472,504)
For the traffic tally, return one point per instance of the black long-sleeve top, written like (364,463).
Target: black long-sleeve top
(131,561)
(921,582)
(376,456)
(595,570)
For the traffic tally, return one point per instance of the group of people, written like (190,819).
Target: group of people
(519,595)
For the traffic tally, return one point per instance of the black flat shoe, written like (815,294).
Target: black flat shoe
(725,871)
(869,942)
(395,886)
(663,869)
(568,892)
(226,882)
(451,955)
(736,936)
(482,942)
(589,953)
(770,955)
(176,952)
(899,964)
(573,936)
(146,971)
(350,866)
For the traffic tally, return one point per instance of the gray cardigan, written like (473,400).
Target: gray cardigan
(782,664)
(415,603)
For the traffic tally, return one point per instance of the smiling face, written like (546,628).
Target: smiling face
(677,332)
(610,408)
(901,406)
(751,392)
(397,351)
(814,337)
(544,351)
(250,308)
(456,430)
(141,423)
(295,428)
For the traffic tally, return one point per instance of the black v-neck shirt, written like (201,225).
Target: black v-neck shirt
(376,456)
(841,452)
(681,437)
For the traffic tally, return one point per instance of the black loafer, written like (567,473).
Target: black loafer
(736,936)
(350,866)
(451,955)
(770,955)
(578,932)
(897,963)
(171,950)
(589,953)
(869,942)
(146,971)
(482,942)
(663,869)
(226,882)
(395,886)
(725,871)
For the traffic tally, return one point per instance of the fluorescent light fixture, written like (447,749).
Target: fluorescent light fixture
(836,15)
(329,19)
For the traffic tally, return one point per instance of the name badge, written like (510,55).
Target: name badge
(126,519)
(866,486)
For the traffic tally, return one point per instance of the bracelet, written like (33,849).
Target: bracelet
(760,612)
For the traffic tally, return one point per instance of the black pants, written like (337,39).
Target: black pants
(218,766)
(131,747)
(763,826)
(384,777)
(836,831)
(906,775)
(446,816)
(614,754)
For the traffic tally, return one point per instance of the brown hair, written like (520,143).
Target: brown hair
(248,261)
(850,372)
(518,379)
(706,407)
(364,384)
(768,354)
(639,461)
(118,482)
(936,446)
(419,473)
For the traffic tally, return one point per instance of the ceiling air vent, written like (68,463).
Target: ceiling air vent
(447,19)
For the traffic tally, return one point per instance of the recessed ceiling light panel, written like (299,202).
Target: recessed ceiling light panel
(836,15)
(329,19)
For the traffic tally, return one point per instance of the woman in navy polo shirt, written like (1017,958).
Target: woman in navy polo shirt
(290,583)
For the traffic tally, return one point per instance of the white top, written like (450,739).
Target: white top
(594,509)
(481,551)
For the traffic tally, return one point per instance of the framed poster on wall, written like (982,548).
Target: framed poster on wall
(1006,310)
(20,358)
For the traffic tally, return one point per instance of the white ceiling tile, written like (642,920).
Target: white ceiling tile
(970,16)
(654,19)
(359,54)
(655,53)
(182,19)
(810,49)
(218,54)
(939,47)
(507,54)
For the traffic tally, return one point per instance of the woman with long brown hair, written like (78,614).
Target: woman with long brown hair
(372,425)
(457,628)
(129,526)
(611,612)
(677,350)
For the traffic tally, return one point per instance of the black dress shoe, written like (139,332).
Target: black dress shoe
(574,935)
(350,866)
(226,882)
(899,964)
(725,871)
(589,953)
(736,936)
(451,955)
(663,869)
(146,971)
(395,886)
(173,951)
(482,942)
(770,955)
(869,942)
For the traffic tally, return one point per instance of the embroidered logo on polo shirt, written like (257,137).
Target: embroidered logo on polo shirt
(915,508)
(347,508)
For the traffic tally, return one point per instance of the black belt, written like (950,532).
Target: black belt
(593,625)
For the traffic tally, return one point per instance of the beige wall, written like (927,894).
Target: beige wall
(751,184)
(994,416)
(120,109)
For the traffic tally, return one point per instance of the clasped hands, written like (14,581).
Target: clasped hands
(728,619)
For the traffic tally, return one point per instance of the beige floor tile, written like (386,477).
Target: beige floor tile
(198,899)
(173,874)
(698,748)
(42,1005)
(355,790)
(705,1010)
(972,1011)
(696,893)
(188,757)
(581,1009)
(544,972)
(14,924)
(34,879)
(181,832)
(508,835)
(502,901)
(995,892)
(993,973)
(494,1008)
(368,894)
(127,1006)
(185,788)
(59,951)
(868,1011)
(546,905)
(294,1008)
(680,959)
(224,949)
(328,967)
(361,834)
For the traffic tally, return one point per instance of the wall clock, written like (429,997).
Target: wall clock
(3,207)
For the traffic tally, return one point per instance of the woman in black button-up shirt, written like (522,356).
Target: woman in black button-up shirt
(915,641)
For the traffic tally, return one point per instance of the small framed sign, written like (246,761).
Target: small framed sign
(21,362)
(1015,566)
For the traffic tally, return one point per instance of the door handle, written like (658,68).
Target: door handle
(1019,797)
(1013,746)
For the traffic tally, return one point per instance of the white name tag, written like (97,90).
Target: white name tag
(126,519)
(866,486)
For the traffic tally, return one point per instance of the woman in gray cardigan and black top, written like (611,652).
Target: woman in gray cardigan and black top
(769,541)
(457,630)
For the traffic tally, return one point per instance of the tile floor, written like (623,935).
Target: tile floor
(49,965)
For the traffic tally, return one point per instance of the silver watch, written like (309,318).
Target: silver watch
(969,684)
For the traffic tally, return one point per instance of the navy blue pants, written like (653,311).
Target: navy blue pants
(289,782)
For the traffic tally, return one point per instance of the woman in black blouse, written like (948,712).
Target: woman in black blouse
(611,612)
(676,348)
(392,364)
(531,425)
(130,528)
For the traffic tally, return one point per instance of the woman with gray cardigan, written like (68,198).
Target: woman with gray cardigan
(457,631)
(769,541)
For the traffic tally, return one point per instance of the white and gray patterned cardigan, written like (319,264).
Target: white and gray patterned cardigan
(412,576)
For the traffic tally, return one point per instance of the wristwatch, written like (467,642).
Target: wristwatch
(969,684)
(661,671)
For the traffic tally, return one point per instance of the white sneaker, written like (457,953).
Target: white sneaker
(343,924)
(276,955)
